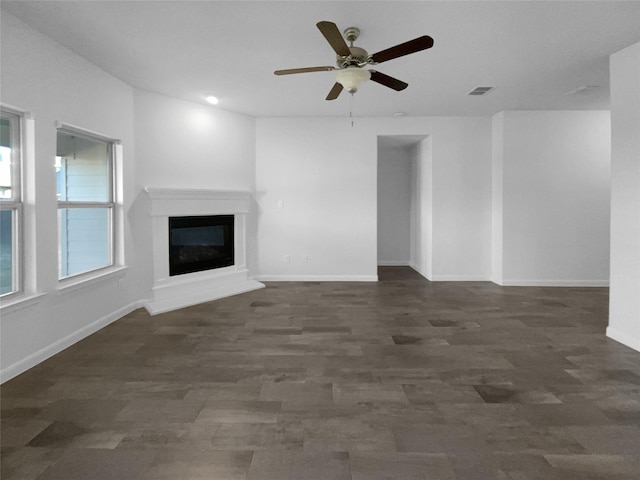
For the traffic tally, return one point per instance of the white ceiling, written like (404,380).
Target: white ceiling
(533,52)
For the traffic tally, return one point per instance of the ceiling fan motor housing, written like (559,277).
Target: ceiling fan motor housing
(359,57)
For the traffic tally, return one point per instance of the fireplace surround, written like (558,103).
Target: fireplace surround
(173,289)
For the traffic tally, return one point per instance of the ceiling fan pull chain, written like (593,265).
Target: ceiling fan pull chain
(351,110)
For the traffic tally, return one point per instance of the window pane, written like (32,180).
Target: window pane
(85,243)
(6,173)
(7,253)
(82,169)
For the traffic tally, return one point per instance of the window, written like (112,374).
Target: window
(86,207)
(10,204)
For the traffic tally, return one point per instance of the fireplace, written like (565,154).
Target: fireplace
(198,243)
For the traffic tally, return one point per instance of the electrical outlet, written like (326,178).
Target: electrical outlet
(287,259)
(306,259)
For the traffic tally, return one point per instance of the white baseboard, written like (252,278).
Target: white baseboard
(417,269)
(459,278)
(316,278)
(623,338)
(554,283)
(450,278)
(32,360)
(391,263)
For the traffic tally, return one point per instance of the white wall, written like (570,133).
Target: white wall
(555,197)
(323,173)
(422,208)
(316,191)
(461,179)
(497,185)
(187,145)
(624,301)
(53,84)
(394,204)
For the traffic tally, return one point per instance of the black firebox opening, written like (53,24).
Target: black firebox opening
(200,243)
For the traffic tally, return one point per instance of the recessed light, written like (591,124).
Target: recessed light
(399,114)
(212,100)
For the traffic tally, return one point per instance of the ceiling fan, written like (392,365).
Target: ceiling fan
(350,71)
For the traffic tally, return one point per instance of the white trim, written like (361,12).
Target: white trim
(160,193)
(41,355)
(316,278)
(118,222)
(174,202)
(16,111)
(29,193)
(19,301)
(451,278)
(415,267)
(391,263)
(73,129)
(554,283)
(459,278)
(624,338)
(76,282)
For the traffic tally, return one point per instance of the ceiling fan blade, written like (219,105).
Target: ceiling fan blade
(412,46)
(335,91)
(388,81)
(334,37)
(303,70)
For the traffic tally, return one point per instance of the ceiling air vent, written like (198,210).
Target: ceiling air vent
(480,90)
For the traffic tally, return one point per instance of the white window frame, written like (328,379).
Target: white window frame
(15,203)
(111,205)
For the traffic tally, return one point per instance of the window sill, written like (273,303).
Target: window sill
(19,302)
(82,281)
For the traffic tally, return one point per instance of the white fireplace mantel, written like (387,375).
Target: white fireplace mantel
(175,201)
(173,292)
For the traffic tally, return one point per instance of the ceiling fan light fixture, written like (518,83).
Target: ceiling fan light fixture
(352,77)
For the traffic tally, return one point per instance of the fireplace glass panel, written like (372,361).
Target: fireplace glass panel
(200,243)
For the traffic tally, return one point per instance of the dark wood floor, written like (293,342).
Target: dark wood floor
(401,379)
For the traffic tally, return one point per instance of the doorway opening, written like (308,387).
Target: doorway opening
(400,192)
